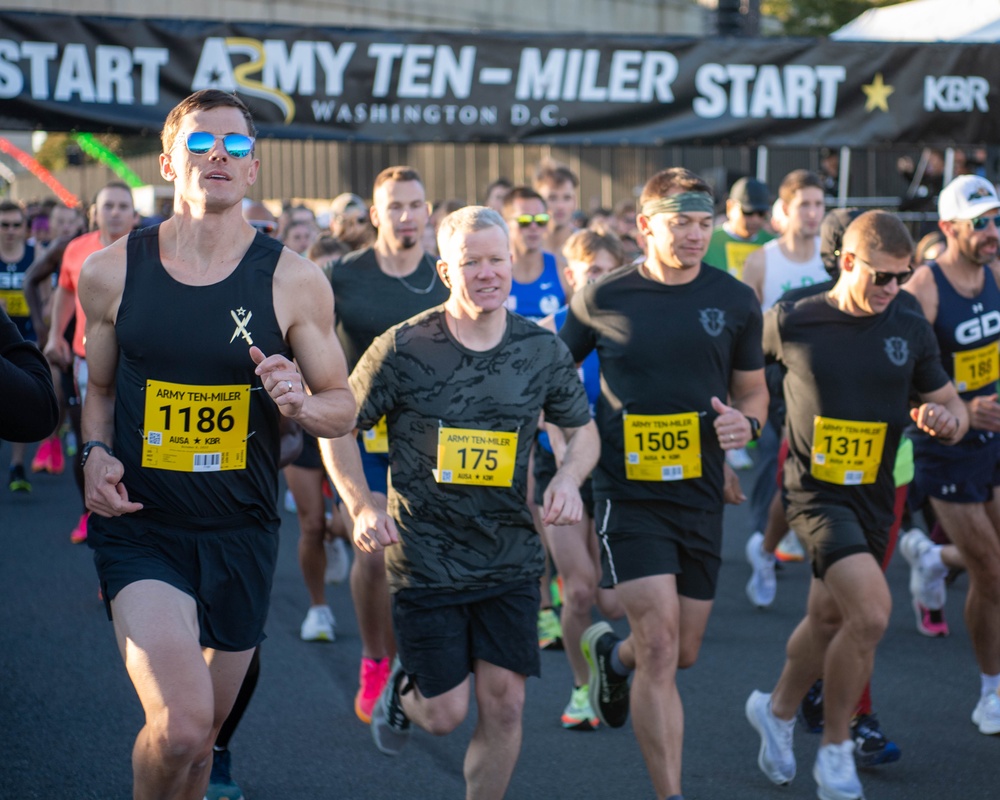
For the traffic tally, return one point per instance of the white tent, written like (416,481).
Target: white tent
(927,21)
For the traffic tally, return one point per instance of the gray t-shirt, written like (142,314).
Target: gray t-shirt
(456,536)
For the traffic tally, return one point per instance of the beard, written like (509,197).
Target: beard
(409,242)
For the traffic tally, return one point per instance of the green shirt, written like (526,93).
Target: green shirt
(728,252)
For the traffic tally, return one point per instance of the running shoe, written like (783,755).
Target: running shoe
(739,459)
(318,625)
(390,726)
(18,481)
(927,573)
(763,585)
(290,506)
(835,773)
(371,680)
(871,747)
(43,457)
(790,548)
(69,441)
(79,534)
(811,709)
(776,758)
(578,714)
(221,785)
(56,461)
(338,561)
(549,630)
(986,715)
(930,623)
(608,691)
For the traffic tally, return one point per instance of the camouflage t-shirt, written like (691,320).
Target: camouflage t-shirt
(458,536)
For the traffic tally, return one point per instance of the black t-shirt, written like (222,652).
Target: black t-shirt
(664,350)
(842,367)
(369,302)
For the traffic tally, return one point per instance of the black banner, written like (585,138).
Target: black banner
(62,72)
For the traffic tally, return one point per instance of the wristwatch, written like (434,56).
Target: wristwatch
(88,446)
(754,428)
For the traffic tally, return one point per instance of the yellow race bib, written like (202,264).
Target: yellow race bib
(377,439)
(977,368)
(195,428)
(476,458)
(17,305)
(845,452)
(662,447)
(736,256)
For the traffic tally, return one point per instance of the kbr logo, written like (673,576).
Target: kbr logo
(956,93)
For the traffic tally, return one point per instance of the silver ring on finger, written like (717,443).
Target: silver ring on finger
(289,385)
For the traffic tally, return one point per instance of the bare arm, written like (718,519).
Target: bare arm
(57,349)
(562,504)
(748,398)
(753,273)
(942,415)
(923,287)
(374,529)
(41,270)
(303,304)
(102,281)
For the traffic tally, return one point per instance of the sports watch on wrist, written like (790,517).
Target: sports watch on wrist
(88,446)
(754,428)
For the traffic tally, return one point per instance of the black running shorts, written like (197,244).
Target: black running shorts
(829,533)
(642,538)
(440,635)
(227,572)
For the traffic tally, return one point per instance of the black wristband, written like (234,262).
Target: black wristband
(88,446)
(754,428)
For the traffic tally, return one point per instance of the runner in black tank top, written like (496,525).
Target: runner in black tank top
(190,330)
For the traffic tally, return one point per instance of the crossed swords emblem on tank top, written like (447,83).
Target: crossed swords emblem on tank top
(242,318)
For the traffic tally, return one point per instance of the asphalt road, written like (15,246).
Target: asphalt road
(68,715)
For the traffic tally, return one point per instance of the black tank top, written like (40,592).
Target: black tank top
(194,428)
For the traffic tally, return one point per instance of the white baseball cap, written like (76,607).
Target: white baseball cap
(967,197)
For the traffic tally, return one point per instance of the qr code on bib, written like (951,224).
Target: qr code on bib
(446,476)
(154,438)
(853,477)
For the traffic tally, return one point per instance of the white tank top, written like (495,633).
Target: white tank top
(782,274)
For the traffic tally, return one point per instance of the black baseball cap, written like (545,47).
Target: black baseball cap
(751,194)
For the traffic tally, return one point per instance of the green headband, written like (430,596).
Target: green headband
(679,204)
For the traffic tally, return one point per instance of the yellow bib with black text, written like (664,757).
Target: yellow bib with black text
(846,452)
(662,447)
(476,458)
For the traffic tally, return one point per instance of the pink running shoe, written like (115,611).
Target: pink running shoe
(79,534)
(930,622)
(373,677)
(43,457)
(56,461)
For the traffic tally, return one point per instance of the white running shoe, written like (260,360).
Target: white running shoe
(790,548)
(338,561)
(835,773)
(290,506)
(927,573)
(318,625)
(776,758)
(986,715)
(739,459)
(763,585)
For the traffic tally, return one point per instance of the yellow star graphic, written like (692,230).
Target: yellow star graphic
(877,93)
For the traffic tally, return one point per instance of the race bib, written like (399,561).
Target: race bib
(977,368)
(845,452)
(662,447)
(377,439)
(195,428)
(476,458)
(17,305)
(736,256)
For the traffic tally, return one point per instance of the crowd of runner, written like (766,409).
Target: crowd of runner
(506,425)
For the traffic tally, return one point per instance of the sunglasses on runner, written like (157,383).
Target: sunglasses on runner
(236,144)
(880,278)
(525,220)
(981,223)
